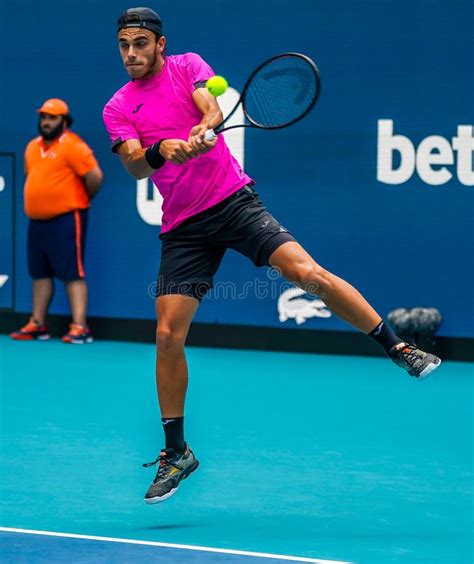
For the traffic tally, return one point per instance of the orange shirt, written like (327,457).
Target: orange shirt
(54,182)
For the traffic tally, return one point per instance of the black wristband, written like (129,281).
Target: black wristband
(153,156)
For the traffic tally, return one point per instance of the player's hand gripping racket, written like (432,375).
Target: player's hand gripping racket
(278,93)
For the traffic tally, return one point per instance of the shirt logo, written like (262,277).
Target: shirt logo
(137,108)
(47,154)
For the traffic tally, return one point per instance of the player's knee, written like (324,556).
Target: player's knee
(169,340)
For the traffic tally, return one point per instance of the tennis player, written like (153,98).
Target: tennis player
(157,123)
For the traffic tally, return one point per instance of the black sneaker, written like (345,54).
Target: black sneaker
(173,467)
(416,362)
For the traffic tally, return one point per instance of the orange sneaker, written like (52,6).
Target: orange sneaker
(32,330)
(78,335)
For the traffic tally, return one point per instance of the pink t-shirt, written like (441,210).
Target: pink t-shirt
(161,107)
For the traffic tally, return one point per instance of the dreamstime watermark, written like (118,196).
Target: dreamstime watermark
(271,288)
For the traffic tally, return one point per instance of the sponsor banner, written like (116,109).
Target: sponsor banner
(376,183)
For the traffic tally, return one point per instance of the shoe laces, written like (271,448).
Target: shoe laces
(410,354)
(165,463)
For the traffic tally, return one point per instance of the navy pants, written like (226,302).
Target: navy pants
(56,246)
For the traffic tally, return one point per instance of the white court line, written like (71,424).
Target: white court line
(169,545)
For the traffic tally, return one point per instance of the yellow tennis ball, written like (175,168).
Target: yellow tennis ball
(217,85)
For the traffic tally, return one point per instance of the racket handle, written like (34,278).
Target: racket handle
(210,135)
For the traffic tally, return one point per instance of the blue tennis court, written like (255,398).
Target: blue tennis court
(315,457)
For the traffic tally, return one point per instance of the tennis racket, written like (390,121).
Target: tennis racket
(279,92)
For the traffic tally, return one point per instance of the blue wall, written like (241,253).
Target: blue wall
(404,244)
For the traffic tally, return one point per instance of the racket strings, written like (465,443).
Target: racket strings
(281,91)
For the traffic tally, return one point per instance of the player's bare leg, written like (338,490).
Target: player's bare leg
(176,461)
(297,266)
(174,314)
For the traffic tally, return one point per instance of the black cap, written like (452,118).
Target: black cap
(141,17)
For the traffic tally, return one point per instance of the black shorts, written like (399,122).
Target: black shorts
(192,252)
(56,246)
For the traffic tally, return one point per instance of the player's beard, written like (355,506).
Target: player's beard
(152,69)
(52,133)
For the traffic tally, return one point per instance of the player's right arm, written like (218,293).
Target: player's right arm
(137,160)
(133,159)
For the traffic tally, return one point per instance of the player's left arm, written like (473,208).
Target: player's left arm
(212,116)
(93,181)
